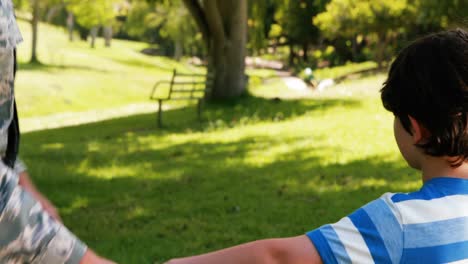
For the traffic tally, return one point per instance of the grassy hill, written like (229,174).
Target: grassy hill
(255,168)
(75,77)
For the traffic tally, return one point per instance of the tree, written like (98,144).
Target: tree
(176,25)
(93,14)
(166,23)
(70,25)
(37,7)
(435,15)
(34,25)
(378,20)
(223,24)
(298,23)
(261,19)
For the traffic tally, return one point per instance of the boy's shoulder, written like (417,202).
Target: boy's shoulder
(435,188)
(425,226)
(439,199)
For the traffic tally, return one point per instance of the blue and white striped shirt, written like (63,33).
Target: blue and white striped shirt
(427,226)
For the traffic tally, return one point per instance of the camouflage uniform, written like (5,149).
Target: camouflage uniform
(27,233)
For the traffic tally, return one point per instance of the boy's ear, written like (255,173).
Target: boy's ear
(420,133)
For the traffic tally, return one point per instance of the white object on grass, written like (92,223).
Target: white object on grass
(323,84)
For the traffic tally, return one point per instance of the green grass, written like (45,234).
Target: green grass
(254,168)
(339,71)
(75,78)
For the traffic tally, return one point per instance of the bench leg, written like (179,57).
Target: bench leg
(159,113)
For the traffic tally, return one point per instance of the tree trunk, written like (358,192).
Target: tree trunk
(35,25)
(70,25)
(53,11)
(292,55)
(354,49)
(227,53)
(178,50)
(93,33)
(107,31)
(382,42)
(305,52)
(223,24)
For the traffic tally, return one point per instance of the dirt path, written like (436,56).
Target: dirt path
(78,118)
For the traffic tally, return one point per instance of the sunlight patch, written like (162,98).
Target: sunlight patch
(78,203)
(52,146)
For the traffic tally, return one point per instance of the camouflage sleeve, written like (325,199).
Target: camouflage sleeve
(10,35)
(27,233)
(20,166)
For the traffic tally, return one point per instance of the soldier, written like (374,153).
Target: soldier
(30,228)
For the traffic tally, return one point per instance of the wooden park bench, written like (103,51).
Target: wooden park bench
(182,87)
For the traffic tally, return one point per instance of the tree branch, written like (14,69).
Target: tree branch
(196,10)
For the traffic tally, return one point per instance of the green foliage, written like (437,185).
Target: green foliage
(163,21)
(260,22)
(298,24)
(91,13)
(435,14)
(349,18)
(20,3)
(381,24)
(140,23)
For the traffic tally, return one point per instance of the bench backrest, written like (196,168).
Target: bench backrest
(183,86)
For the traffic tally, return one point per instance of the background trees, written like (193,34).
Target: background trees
(93,14)
(300,33)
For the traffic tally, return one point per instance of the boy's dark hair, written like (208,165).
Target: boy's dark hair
(429,81)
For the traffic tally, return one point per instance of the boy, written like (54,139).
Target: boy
(30,230)
(427,91)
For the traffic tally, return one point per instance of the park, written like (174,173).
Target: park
(264,158)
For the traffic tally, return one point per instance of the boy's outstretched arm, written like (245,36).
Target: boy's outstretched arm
(294,250)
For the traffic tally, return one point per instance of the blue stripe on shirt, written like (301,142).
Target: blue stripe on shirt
(335,244)
(387,226)
(322,246)
(371,236)
(437,254)
(436,233)
(435,188)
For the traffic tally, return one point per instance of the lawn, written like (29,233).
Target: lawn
(74,78)
(256,167)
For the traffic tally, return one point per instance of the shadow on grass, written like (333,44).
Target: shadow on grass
(142,195)
(247,110)
(52,67)
(139,63)
(169,68)
(194,198)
